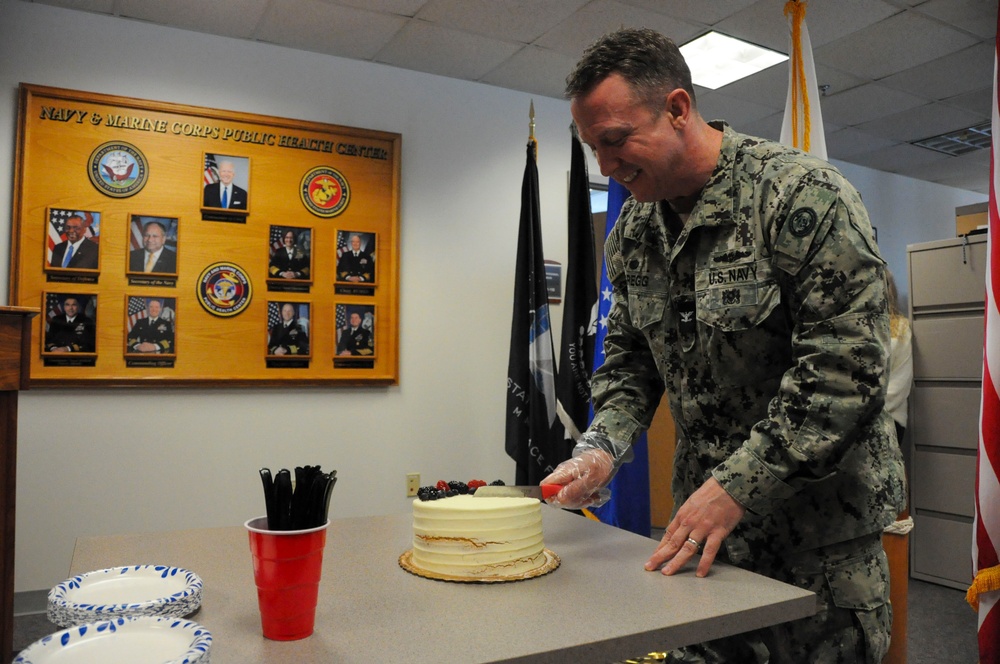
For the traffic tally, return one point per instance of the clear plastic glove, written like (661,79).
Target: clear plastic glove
(585,476)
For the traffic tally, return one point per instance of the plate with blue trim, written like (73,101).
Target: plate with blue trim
(124,641)
(136,590)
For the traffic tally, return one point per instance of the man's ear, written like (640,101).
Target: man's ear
(678,105)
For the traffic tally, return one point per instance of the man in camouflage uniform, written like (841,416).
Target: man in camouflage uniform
(747,284)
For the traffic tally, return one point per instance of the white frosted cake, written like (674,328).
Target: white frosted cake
(468,537)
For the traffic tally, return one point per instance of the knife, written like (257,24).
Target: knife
(542,491)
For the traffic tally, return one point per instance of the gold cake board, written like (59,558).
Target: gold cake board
(551,562)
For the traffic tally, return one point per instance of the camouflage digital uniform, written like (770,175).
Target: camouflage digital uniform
(764,317)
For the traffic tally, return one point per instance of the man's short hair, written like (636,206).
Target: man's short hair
(651,64)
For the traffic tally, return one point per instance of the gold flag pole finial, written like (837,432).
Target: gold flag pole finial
(531,127)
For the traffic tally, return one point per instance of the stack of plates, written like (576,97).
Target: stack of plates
(124,615)
(124,640)
(139,590)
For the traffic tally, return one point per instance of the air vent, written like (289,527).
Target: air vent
(960,141)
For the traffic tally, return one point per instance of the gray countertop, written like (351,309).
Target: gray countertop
(600,605)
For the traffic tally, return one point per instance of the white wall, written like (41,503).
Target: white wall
(110,461)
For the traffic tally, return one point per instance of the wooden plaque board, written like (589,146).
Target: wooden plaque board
(116,164)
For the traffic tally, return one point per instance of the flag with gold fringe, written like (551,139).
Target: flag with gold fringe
(802,127)
(984,594)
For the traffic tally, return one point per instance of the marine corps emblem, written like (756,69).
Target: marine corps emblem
(224,289)
(118,169)
(325,192)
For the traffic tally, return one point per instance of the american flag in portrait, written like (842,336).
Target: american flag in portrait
(136,311)
(53,305)
(276,234)
(211,169)
(342,243)
(57,227)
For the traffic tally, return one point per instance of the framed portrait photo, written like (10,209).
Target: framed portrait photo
(150,326)
(70,324)
(72,240)
(288,330)
(153,245)
(290,255)
(356,257)
(225,183)
(355,333)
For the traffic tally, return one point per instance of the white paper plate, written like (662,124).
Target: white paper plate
(139,590)
(139,640)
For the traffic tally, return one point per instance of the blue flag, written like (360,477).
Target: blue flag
(628,507)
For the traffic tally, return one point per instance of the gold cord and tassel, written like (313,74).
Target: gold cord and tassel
(797,11)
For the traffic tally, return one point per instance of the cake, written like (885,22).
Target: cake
(464,537)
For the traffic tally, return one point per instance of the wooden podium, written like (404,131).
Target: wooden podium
(15,337)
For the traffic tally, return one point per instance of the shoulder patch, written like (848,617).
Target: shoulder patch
(812,207)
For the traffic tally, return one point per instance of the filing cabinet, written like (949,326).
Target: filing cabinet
(947,280)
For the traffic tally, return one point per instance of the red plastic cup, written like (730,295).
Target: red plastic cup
(286,568)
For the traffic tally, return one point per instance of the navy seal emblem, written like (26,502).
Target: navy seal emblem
(224,289)
(802,221)
(325,192)
(118,169)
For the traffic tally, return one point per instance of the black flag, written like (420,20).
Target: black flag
(533,438)
(579,326)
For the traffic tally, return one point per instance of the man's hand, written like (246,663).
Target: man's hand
(582,478)
(707,517)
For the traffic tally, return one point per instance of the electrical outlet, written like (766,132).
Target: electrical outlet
(412,484)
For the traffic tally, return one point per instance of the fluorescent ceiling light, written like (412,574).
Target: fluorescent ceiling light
(716,60)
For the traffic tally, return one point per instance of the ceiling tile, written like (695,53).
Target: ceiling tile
(99,6)
(314,25)
(893,45)
(978,101)
(717,106)
(430,48)
(768,127)
(922,122)
(699,12)
(511,20)
(895,158)
(398,7)
(954,74)
(977,16)
(968,171)
(532,69)
(770,87)
(866,103)
(600,17)
(848,141)
(764,22)
(230,18)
